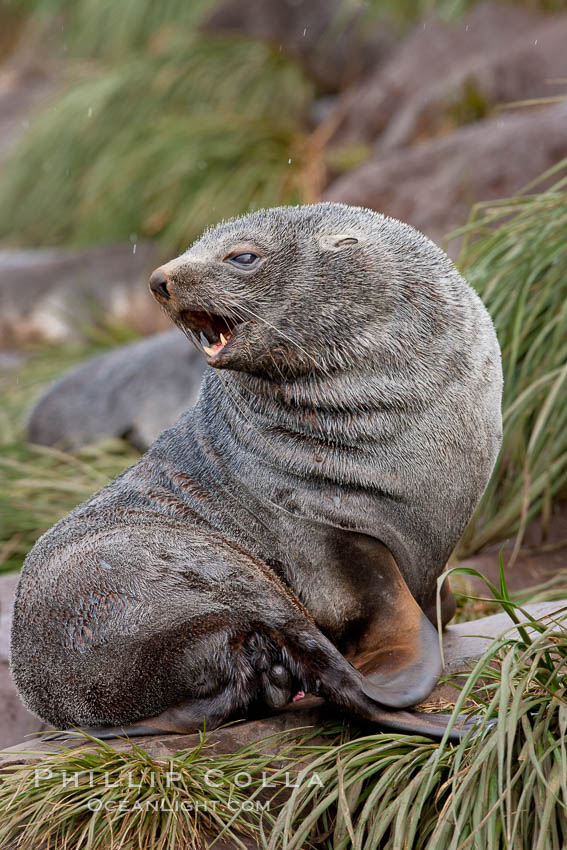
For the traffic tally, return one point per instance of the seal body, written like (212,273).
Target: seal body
(134,392)
(288,532)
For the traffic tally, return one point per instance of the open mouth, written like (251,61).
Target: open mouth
(213,330)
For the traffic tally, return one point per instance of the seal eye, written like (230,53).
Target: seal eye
(246,260)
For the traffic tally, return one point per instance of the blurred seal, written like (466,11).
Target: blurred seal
(134,392)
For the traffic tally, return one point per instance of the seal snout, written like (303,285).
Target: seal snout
(159,284)
(210,330)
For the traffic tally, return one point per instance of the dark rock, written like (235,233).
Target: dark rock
(426,59)
(53,294)
(432,185)
(135,391)
(295,720)
(329,38)
(541,559)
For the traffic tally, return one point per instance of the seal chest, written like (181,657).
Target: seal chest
(301,513)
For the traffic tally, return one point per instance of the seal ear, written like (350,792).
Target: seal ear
(332,242)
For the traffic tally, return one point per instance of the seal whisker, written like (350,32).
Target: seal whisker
(233,393)
(286,337)
(238,313)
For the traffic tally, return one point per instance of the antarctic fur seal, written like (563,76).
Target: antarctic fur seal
(288,532)
(134,391)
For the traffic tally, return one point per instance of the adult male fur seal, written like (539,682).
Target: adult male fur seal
(288,532)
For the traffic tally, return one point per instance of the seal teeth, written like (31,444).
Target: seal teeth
(207,326)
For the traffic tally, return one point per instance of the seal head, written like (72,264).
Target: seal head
(286,292)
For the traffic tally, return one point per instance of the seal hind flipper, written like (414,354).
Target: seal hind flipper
(328,674)
(404,722)
(277,686)
(190,716)
(306,656)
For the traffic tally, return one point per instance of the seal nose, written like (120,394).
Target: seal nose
(159,284)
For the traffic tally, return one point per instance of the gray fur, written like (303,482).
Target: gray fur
(360,411)
(134,391)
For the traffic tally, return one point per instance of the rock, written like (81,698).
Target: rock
(432,185)
(428,57)
(10,360)
(15,720)
(53,294)
(542,558)
(134,391)
(329,38)
(294,719)
(518,69)
(465,643)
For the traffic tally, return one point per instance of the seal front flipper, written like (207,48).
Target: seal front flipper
(394,646)
(428,724)
(405,666)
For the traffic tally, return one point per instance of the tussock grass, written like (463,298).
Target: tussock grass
(502,786)
(112,30)
(515,255)
(43,364)
(97,797)
(471,606)
(162,145)
(39,486)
